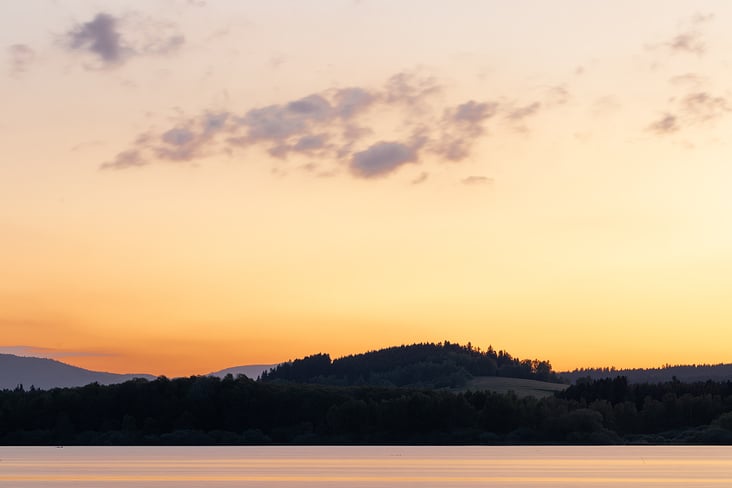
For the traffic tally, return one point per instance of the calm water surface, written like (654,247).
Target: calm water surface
(426,467)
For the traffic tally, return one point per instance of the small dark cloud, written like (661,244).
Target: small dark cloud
(381,159)
(125,160)
(113,40)
(667,124)
(100,37)
(21,56)
(421,178)
(477,180)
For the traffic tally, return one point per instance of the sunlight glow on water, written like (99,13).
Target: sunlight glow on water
(513,467)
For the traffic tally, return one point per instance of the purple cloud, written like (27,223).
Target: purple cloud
(381,158)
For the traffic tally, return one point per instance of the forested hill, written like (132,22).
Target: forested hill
(684,373)
(426,365)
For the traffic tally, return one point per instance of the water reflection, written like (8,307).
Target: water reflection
(427,467)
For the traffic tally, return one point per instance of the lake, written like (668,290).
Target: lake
(426,467)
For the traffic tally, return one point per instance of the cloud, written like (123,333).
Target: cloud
(126,159)
(21,56)
(351,101)
(667,124)
(461,127)
(472,113)
(342,128)
(702,107)
(113,40)
(695,108)
(307,144)
(421,178)
(411,90)
(690,40)
(99,36)
(381,159)
(279,122)
(520,113)
(477,180)
(185,143)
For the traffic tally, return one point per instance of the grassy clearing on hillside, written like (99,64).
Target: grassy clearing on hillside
(520,387)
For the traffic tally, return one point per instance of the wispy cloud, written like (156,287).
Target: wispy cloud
(20,56)
(477,180)
(703,107)
(518,114)
(687,42)
(696,108)
(689,39)
(126,159)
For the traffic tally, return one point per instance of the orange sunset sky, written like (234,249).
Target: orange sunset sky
(187,186)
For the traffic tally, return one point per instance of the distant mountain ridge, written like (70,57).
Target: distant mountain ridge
(684,373)
(252,371)
(45,374)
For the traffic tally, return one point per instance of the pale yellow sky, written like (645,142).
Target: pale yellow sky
(188,186)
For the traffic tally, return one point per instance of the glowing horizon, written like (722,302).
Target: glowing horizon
(185,189)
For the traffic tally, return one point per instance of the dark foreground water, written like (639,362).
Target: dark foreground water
(425,467)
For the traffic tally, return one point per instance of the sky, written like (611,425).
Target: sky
(187,186)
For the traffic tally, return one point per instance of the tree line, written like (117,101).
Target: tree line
(233,411)
(687,373)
